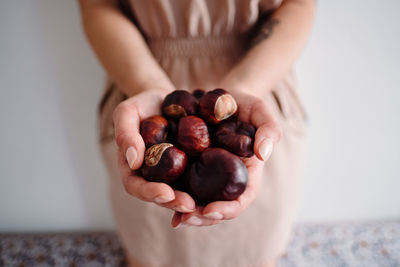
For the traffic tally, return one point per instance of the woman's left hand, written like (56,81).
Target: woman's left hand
(253,110)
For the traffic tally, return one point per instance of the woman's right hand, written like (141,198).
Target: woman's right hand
(131,149)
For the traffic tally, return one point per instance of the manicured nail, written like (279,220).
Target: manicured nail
(182,208)
(194,220)
(214,215)
(131,156)
(163,199)
(266,148)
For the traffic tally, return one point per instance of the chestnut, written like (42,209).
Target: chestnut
(216,175)
(172,131)
(154,130)
(193,136)
(246,129)
(236,137)
(163,163)
(179,103)
(217,105)
(198,93)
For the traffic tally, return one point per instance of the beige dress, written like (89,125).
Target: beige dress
(196,42)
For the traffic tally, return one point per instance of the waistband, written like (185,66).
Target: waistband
(199,46)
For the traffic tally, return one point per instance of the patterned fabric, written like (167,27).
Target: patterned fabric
(374,244)
(76,249)
(313,245)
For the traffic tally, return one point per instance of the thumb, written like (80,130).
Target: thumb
(268,130)
(127,133)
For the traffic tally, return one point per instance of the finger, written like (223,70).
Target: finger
(196,218)
(127,133)
(182,203)
(142,189)
(268,129)
(227,210)
(158,193)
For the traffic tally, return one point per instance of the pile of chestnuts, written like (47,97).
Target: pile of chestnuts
(196,145)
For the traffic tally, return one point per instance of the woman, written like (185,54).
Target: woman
(150,48)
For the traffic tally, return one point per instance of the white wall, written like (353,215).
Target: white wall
(51,174)
(350,74)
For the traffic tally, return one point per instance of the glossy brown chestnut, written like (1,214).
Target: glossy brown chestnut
(217,105)
(246,129)
(193,136)
(154,130)
(236,137)
(216,175)
(163,163)
(198,93)
(179,103)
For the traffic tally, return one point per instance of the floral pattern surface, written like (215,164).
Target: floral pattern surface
(370,244)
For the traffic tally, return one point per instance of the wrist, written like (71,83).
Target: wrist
(242,86)
(156,87)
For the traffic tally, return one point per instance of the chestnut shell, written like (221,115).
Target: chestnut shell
(217,105)
(236,137)
(179,103)
(193,136)
(216,175)
(170,166)
(153,130)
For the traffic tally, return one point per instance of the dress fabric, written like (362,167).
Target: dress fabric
(196,42)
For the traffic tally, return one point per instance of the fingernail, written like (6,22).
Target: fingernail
(214,215)
(163,199)
(266,148)
(182,208)
(131,156)
(194,220)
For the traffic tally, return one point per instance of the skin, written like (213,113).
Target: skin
(277,47)
(123,52)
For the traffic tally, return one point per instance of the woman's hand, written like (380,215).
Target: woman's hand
(131,148)
(127,117)
(255,111)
